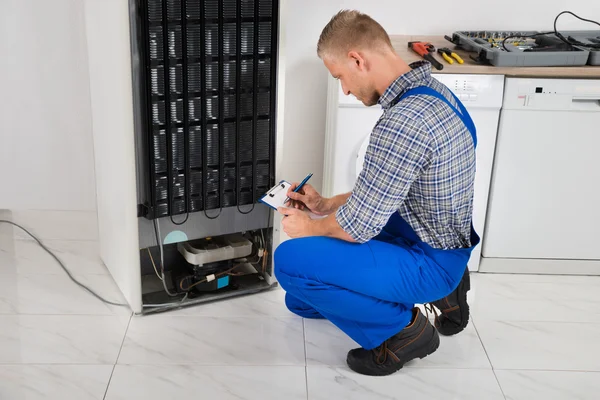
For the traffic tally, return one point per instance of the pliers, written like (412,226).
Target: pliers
(447,53)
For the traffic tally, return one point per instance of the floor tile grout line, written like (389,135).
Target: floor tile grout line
(304,340)
(538,321)
(290,366)
(117,360)
(575,371)
(306,380)
(305,357)
(108,383)
(124,337)
(488,357)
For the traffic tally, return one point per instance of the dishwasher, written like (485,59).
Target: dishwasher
(543,213)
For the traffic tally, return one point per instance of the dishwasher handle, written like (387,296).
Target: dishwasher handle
(592,97)
(589,102)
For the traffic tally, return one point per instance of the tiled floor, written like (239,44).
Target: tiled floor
(531,337)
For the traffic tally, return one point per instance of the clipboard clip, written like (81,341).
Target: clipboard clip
(276,189)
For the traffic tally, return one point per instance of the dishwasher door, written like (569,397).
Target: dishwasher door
(545,192)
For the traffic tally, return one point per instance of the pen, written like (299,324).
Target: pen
(299,186)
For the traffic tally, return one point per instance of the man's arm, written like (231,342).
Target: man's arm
(297,223)
(336,202)
(329,226)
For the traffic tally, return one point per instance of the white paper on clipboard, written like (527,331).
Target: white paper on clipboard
(276,196)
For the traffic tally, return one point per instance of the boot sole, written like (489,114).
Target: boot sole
(421,353)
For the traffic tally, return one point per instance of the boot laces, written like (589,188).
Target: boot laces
(381,353)
(431,308)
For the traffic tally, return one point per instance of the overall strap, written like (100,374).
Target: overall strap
(397,226)
(462,114)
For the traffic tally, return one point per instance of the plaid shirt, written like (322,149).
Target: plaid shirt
(420,162)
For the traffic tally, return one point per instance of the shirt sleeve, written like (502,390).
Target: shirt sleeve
(399,151)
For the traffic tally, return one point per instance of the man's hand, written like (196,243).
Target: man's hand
(308,197)
(296,223)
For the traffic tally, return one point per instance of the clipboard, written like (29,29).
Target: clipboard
(276,196)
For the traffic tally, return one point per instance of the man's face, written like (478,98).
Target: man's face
(354,77)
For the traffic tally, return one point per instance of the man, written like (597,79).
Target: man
(403,236)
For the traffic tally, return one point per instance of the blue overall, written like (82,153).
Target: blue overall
(369,290)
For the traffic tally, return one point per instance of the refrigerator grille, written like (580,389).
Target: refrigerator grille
(209,69)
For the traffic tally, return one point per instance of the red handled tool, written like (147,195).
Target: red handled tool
(425,49)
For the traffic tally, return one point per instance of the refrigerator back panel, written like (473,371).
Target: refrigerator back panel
(209,71)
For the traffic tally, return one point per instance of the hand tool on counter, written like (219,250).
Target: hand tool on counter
(450,39)
(447,53)
(425,49)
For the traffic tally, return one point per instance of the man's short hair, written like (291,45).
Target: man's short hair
(350,29)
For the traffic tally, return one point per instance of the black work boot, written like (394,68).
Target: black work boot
(454,308)
(417,340)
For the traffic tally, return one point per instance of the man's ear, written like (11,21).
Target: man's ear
(357,59)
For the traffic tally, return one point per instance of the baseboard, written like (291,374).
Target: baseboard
(539,266)
(51,224)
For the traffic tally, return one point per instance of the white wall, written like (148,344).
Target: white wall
(306,77)
(46,152)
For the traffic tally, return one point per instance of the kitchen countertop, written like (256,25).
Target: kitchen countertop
(400,43)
